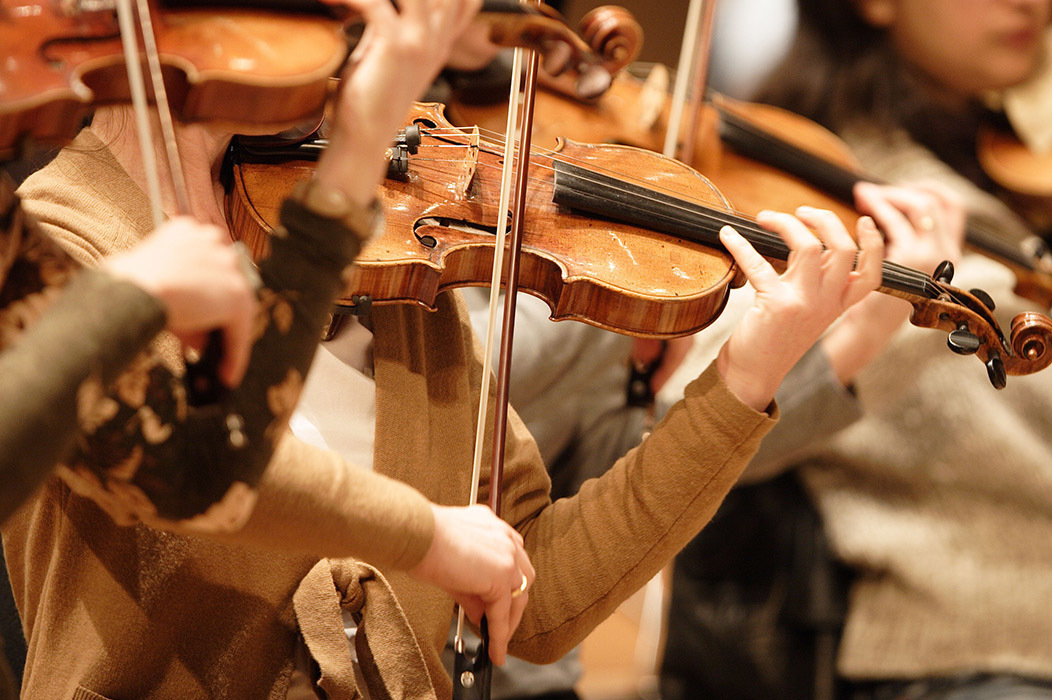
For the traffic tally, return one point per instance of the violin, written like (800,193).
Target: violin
(636,113)
(1023,174)
(218,66)
(638,254)
(741,130)
(762,157)
(241,66)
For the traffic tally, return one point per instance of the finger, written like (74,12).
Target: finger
(841,250)
(869,270)
(237,341)
(805,250)
(896,207)
(192,340)
(518,607)
(889,218)
(467,10)
(472,606)
(518,603)
(757,270)
(952,208)
(498,617)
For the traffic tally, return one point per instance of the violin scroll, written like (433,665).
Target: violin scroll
(542,29)
(614,34)
(973,330)
(1031,337)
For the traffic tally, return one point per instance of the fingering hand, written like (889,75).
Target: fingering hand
(826,274)
(401,51)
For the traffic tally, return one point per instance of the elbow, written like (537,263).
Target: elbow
(543,649)
(224,516)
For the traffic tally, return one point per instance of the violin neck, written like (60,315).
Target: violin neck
(630,203)
(758,144)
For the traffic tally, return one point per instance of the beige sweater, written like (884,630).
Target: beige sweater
(139,613)
(941,496)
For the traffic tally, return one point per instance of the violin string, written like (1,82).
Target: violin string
(903,275)
(556,155)
(907,277)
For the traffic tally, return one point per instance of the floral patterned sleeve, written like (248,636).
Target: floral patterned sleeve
(140,450)
(94,324)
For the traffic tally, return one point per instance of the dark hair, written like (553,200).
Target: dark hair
(841,69)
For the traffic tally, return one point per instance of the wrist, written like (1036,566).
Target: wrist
(753,388)
(354,164)
(334,203)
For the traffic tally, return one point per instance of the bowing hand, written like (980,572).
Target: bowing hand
(479,560)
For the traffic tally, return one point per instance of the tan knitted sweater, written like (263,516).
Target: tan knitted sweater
(941,495)
(138,613)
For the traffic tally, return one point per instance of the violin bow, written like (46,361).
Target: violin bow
(472,675)
(691,76)
(202,371)
(137,84)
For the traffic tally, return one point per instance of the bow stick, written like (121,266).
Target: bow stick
(691,73)
(472,676)
(202,378)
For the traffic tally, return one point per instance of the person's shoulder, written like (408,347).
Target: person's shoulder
(86,202)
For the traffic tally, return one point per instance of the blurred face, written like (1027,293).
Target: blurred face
(968,46)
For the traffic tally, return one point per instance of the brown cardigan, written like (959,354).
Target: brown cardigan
(132,612)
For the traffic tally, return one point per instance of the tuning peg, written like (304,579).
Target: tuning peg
(944,272)
(982,296)
(963,342)
(398,160)
(995,369)
(411,138)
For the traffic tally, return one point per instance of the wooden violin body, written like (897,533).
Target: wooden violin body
(441,219)
(619,237)
(236,66)
(243,67)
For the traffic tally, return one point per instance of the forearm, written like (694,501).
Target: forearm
(594,550)
(185,462)
(95,328)
(311,501)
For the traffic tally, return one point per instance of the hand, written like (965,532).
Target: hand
(473,50)
(479,560)
(922,225)
(792,310)
(399,55)
(196,274)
